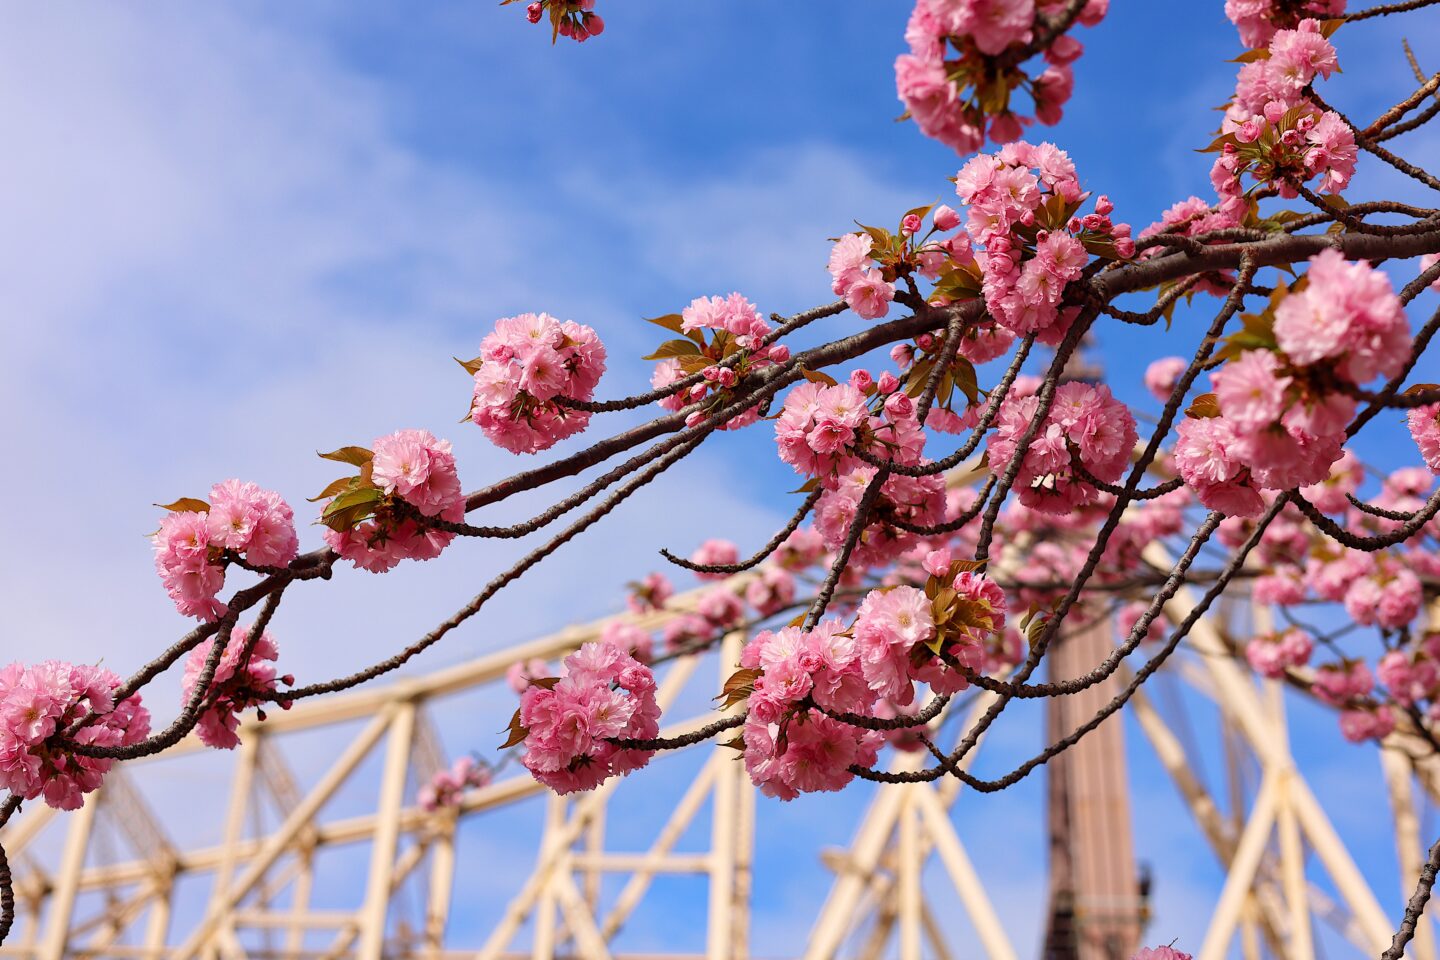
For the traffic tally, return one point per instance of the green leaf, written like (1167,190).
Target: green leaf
(186,504)
(356,456)
(362,496)
(674,348)
(963,372)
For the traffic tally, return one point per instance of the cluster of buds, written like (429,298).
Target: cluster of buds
(734,347)
(575,19)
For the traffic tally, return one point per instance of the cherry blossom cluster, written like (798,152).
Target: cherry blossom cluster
(1085,432)
(41,700)
(1258,20)
(1160,953)
(568,724)
(447,787)
(789,747)
(967,59)
(1273,132)
(1272,654)
(736,340)
(915,501)
(1022,204)
(575,19)
(244,675)
(823,423)
(527,365)
(1281,409)
(377,518)
(1381,590)
(1344,685)
(1424,424)
(796,683)
(197,539)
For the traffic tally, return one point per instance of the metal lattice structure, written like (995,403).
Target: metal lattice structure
(82,898)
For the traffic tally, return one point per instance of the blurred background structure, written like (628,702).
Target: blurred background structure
(114,883)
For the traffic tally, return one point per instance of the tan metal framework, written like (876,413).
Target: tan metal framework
(260,881)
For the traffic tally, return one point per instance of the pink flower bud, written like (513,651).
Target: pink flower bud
(594,24)
(898,406)
(1028,218)
(695,419)
(1005,128)
(1065,49)
(861,380)
(1125,247)
(959,248)
(710,373)
(779,353)
(910,225)
(903,354)
(937,562)
(945,218)
(1103,206)
(1120,230)
(926,342)
(1274,110)
(1249,131)
(887,382)
(1074,226)
(534,12)
(727,377)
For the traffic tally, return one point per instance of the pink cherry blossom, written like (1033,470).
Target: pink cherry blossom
(419,469)
(39,700)
(239,676)
(605,694)
(525,364)
(1424,423)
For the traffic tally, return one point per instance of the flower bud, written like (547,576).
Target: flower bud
(1103,206)
(779,353)
(898,406)
(887,382)
(945,218)
(861,380)
(534,12)
(937,562)
(910,225)
(926,342)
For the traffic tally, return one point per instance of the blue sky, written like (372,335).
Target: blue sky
(239,234)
